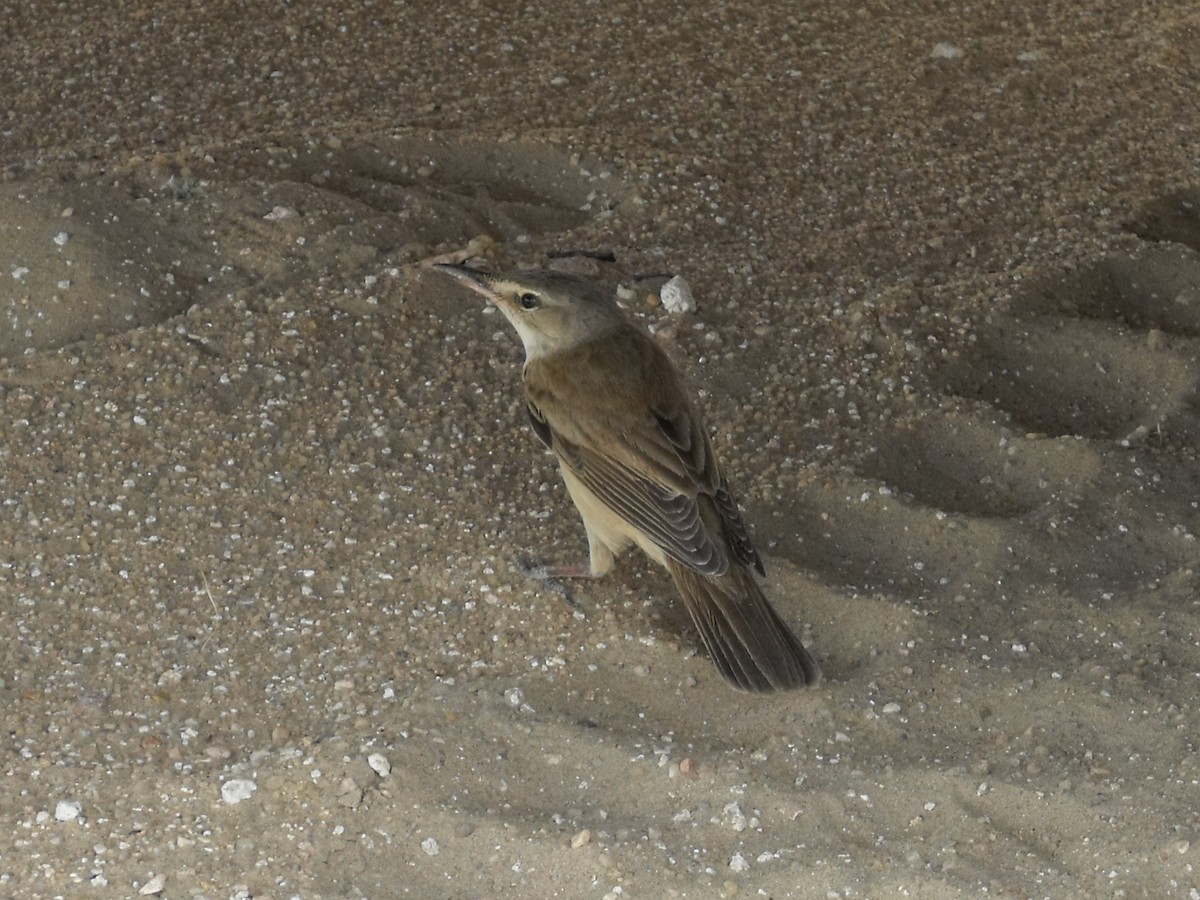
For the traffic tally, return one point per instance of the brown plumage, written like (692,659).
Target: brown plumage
(638,462)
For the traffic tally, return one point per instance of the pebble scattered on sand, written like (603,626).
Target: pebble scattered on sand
(67,810)
(676,296)
(235,790)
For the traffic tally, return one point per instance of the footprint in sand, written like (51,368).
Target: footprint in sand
(1078,406)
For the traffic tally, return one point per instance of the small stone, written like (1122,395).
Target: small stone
(154,886)
(464,829)
(430,846)
(235,790)
(583,836)
(890,709)
(67,810)
(677,297)
(734,817)
(350,794)
(942,50)
(379,764)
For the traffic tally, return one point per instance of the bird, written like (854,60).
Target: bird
(638,462)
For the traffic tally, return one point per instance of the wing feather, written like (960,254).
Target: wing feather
(635,440)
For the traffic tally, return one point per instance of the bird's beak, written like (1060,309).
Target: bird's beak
(472,278)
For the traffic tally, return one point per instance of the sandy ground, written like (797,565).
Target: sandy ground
(263,480)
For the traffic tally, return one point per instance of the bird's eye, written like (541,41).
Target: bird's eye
(529,300)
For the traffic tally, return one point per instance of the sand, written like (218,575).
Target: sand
(264,479)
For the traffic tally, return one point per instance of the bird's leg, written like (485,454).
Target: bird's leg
(551,576)
(600,562)
(551,573)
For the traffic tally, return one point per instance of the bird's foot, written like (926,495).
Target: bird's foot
(552,576)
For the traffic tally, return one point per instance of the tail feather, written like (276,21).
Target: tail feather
(749,643)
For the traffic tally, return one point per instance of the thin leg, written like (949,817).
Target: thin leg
(600,562)
(549,573)
(551,576)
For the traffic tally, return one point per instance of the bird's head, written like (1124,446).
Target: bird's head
(551,311)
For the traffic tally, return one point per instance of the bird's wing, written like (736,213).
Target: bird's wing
(667,516)
(540,426)
(679,436)
(655,468)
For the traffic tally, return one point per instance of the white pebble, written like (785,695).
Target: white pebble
(67,810)
(430,846)
(734,816)
(515,696)
(737,863)
(235,790)
(61,238)
(891,708)
(154,886)
(379,764)
(943,50)
(676,296)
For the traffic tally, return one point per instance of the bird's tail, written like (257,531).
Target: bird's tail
(751,646)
